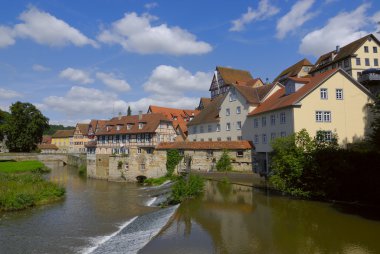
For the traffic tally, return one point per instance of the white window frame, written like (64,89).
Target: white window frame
(324,94)
(255,123)
(282,118)
(319,116)
(228,112)
(238,110)
(228,126)
(264,137)
(264,121)
(218,127)
(272,120)
(238,125)
(339,93)
(327,116)
(256,139)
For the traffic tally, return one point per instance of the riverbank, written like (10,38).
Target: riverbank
(22,185)
(241,178)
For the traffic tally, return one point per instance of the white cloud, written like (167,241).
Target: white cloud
(111,81)
(136,34)
(339,30)
(40,68)
(164,101)
(151,5)
(46,29)
(6,37)
(9,94)
(80,101)
(171,80)
(76,75)
(295,18)
(264,11)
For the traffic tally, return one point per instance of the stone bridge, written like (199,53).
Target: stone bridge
(70,159)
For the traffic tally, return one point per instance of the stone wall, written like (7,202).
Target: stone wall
(76,160)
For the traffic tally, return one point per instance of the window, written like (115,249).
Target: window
(256,139)
(327,116)
(141,126)
(228,126)
(139,150)
(367,62)
(218,127)
(272,135)
(227,111)
(374,49)
(142,166)
(264,121)
(239,137)
(318,116)
(238,110)
(118,127)
(195,129)
(359,74)
(138,138)
(129,126)
(239,153)
(202,139)
(201,129)
(210,153)
(346,63)
(228,138)
(255,123)
(357,61)
(324,136)
(324,94)
(264,138)
(376,62)
(209,139)
(209,129)
(366,49)
(283,134)
(272,119)
(149,151)
(282,118)
(147,137)
(339,94)
(238,125)
(219,139)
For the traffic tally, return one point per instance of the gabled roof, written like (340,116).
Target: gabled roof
(280,100)
(46,139)
(343,53)
(83,128)
(252,82)
(254,95)
(294,69)
(150,124)
(203,102)
(210,113)
(63,133)
(231,76)
(206,145)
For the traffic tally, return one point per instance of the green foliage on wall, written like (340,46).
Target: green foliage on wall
(224,163)
(172,160)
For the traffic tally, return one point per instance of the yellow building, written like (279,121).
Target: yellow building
(332,102)
(80,138)
(63,139)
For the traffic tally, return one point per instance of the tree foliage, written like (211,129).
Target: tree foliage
(224,162)
(3,119)
(172,160)
(53,128)
(375,135)
(24,127)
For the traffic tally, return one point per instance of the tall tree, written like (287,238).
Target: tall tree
(3,118)
(24,127)
(129,112)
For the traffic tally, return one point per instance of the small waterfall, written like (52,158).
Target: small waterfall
(134,234)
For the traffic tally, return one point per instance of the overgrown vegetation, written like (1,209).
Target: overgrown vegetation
(224,163)
(82,170)
(172,160)
(187,188)
(307,167)
(22,185)
(160,180)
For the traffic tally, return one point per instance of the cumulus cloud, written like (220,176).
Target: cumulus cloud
(82,101)
(339,30)
(172,80)
(46,29)
(111,81)
(9,94)
(76,75)
(40,68)
(164,101)
(295,18)
(136,34)
(6,37)
(265,10)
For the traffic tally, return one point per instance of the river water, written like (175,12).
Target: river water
(106,217)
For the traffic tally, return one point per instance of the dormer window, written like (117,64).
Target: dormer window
(108,128)
(118,127)
(129,126)
(141,125)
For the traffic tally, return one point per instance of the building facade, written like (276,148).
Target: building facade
(63,139)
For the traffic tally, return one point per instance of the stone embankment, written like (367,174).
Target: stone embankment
(76,160)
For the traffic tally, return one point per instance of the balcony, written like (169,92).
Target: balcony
(369,76)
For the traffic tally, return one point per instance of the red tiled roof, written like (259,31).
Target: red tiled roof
(63,134)
(46,139)
(83,127)
(231,76)
(280,100)
(254,95)
(294,69)
(251,82)
(206,145)
(150,124)
(47,146)
(210,113)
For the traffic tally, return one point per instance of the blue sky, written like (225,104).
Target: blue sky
(80,59)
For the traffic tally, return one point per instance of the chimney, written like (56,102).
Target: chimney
(337,49)
(140,115)
(119,117)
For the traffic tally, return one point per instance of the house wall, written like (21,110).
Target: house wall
(362,55)
(64,144)
(350,117)
(197,135)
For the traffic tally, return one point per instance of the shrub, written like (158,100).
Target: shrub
(172,160)
(119,164)
(159,180)
(224,163)
(187,188)
(82,170)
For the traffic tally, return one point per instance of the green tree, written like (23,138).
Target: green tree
(375,135)
(24,127)
(129,111)
(172,160)
(224,163)
(3,119)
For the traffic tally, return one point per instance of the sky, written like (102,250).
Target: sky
(78,60)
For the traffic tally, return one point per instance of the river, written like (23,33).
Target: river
(107,217)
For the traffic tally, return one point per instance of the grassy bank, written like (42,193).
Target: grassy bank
(22,186)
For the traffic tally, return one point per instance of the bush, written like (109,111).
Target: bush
(185,189)
(224,163)
(172,160)
(159,180)
(82,170)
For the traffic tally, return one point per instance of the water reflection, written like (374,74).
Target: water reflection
(238,219)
